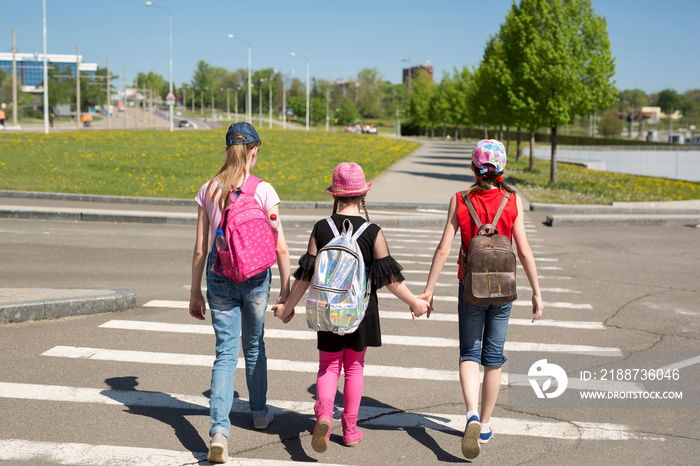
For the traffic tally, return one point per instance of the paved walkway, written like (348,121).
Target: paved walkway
(413,193)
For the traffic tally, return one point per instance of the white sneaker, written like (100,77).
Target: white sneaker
(218,449)
(262,419)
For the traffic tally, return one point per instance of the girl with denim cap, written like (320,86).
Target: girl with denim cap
(347,351)
(237,309)
(482,329)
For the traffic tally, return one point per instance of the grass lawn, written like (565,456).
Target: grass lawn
(578,185)
(299,164)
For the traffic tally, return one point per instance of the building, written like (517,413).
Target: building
(421,70)
(30,67)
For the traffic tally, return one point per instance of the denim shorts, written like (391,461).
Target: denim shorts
(482,331)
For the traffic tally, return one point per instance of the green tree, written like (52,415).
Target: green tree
(347,114)
(560,52)
(457,98)
(670,101)
(421,95)
(634,97)
(609,123)
(369,93)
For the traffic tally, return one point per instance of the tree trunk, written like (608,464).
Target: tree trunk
(444,131)
(507,139)
(457,133)
(486,132)
(517,147)
(553,172)
(532,149)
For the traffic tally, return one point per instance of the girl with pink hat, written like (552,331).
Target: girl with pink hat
(347,351)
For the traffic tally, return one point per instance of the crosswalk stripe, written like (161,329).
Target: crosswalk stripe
(149,357)
(371,370)
(435,316)
(376,416)
(110,455)
(406,340)
(454,299)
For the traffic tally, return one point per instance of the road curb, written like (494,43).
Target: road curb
(113,300)
(584,220)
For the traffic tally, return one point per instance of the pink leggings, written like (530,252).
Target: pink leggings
(329,373)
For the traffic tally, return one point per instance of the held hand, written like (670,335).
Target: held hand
(278,309)
(419,308)
(537,307)
(198,307)
(289,317)
(428,298)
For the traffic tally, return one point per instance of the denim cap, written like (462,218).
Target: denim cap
(489,155)
(241,129)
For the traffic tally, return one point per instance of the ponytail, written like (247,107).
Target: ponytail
(489,180)
(232,173)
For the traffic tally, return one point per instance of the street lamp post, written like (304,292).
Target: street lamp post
(249,103)
(212,104)
(260,111)
(194,97)
(237,89)
(170,41)
(228,103)
(201,102)
(270,99)
(46,78)
(307,88)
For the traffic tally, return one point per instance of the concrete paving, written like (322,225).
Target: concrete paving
(413,193)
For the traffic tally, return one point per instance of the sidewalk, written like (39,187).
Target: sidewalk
(413,193)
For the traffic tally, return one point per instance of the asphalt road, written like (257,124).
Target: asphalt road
(131,387)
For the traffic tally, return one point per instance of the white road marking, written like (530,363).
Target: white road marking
(375,416)
(435,316)
(175,359)
(113,455)
(406,340)
(454,299)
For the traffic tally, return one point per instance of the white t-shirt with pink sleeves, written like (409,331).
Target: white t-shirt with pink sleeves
(265,194)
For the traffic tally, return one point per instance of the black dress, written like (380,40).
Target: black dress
(382,271)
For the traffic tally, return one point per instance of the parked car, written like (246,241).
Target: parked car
(185,124)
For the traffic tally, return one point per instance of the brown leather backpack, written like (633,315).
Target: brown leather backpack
(489,276)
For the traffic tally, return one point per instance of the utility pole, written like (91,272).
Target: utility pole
(46,78)
(328,106)
(77,86)
(14,81)
(125,102)
(109,95)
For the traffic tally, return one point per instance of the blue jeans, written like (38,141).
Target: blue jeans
(482,331)
(237,309)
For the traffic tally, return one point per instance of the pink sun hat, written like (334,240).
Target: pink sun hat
(348,181)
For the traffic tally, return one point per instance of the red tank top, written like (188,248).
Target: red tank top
(486,204)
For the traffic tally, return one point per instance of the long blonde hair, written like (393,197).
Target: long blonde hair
(232,173)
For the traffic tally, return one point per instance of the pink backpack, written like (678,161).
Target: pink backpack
(252,243)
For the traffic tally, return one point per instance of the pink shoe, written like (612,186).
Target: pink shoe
(322,430)
(351,434)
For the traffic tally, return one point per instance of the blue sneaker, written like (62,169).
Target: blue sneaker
(470,442)
(484,437)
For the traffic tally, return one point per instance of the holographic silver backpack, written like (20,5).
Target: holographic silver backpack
(339,292)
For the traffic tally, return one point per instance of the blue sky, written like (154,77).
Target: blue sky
(654,42)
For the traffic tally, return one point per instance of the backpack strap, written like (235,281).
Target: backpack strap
(250,185)
(334,229)
(488,226)
(360,230)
